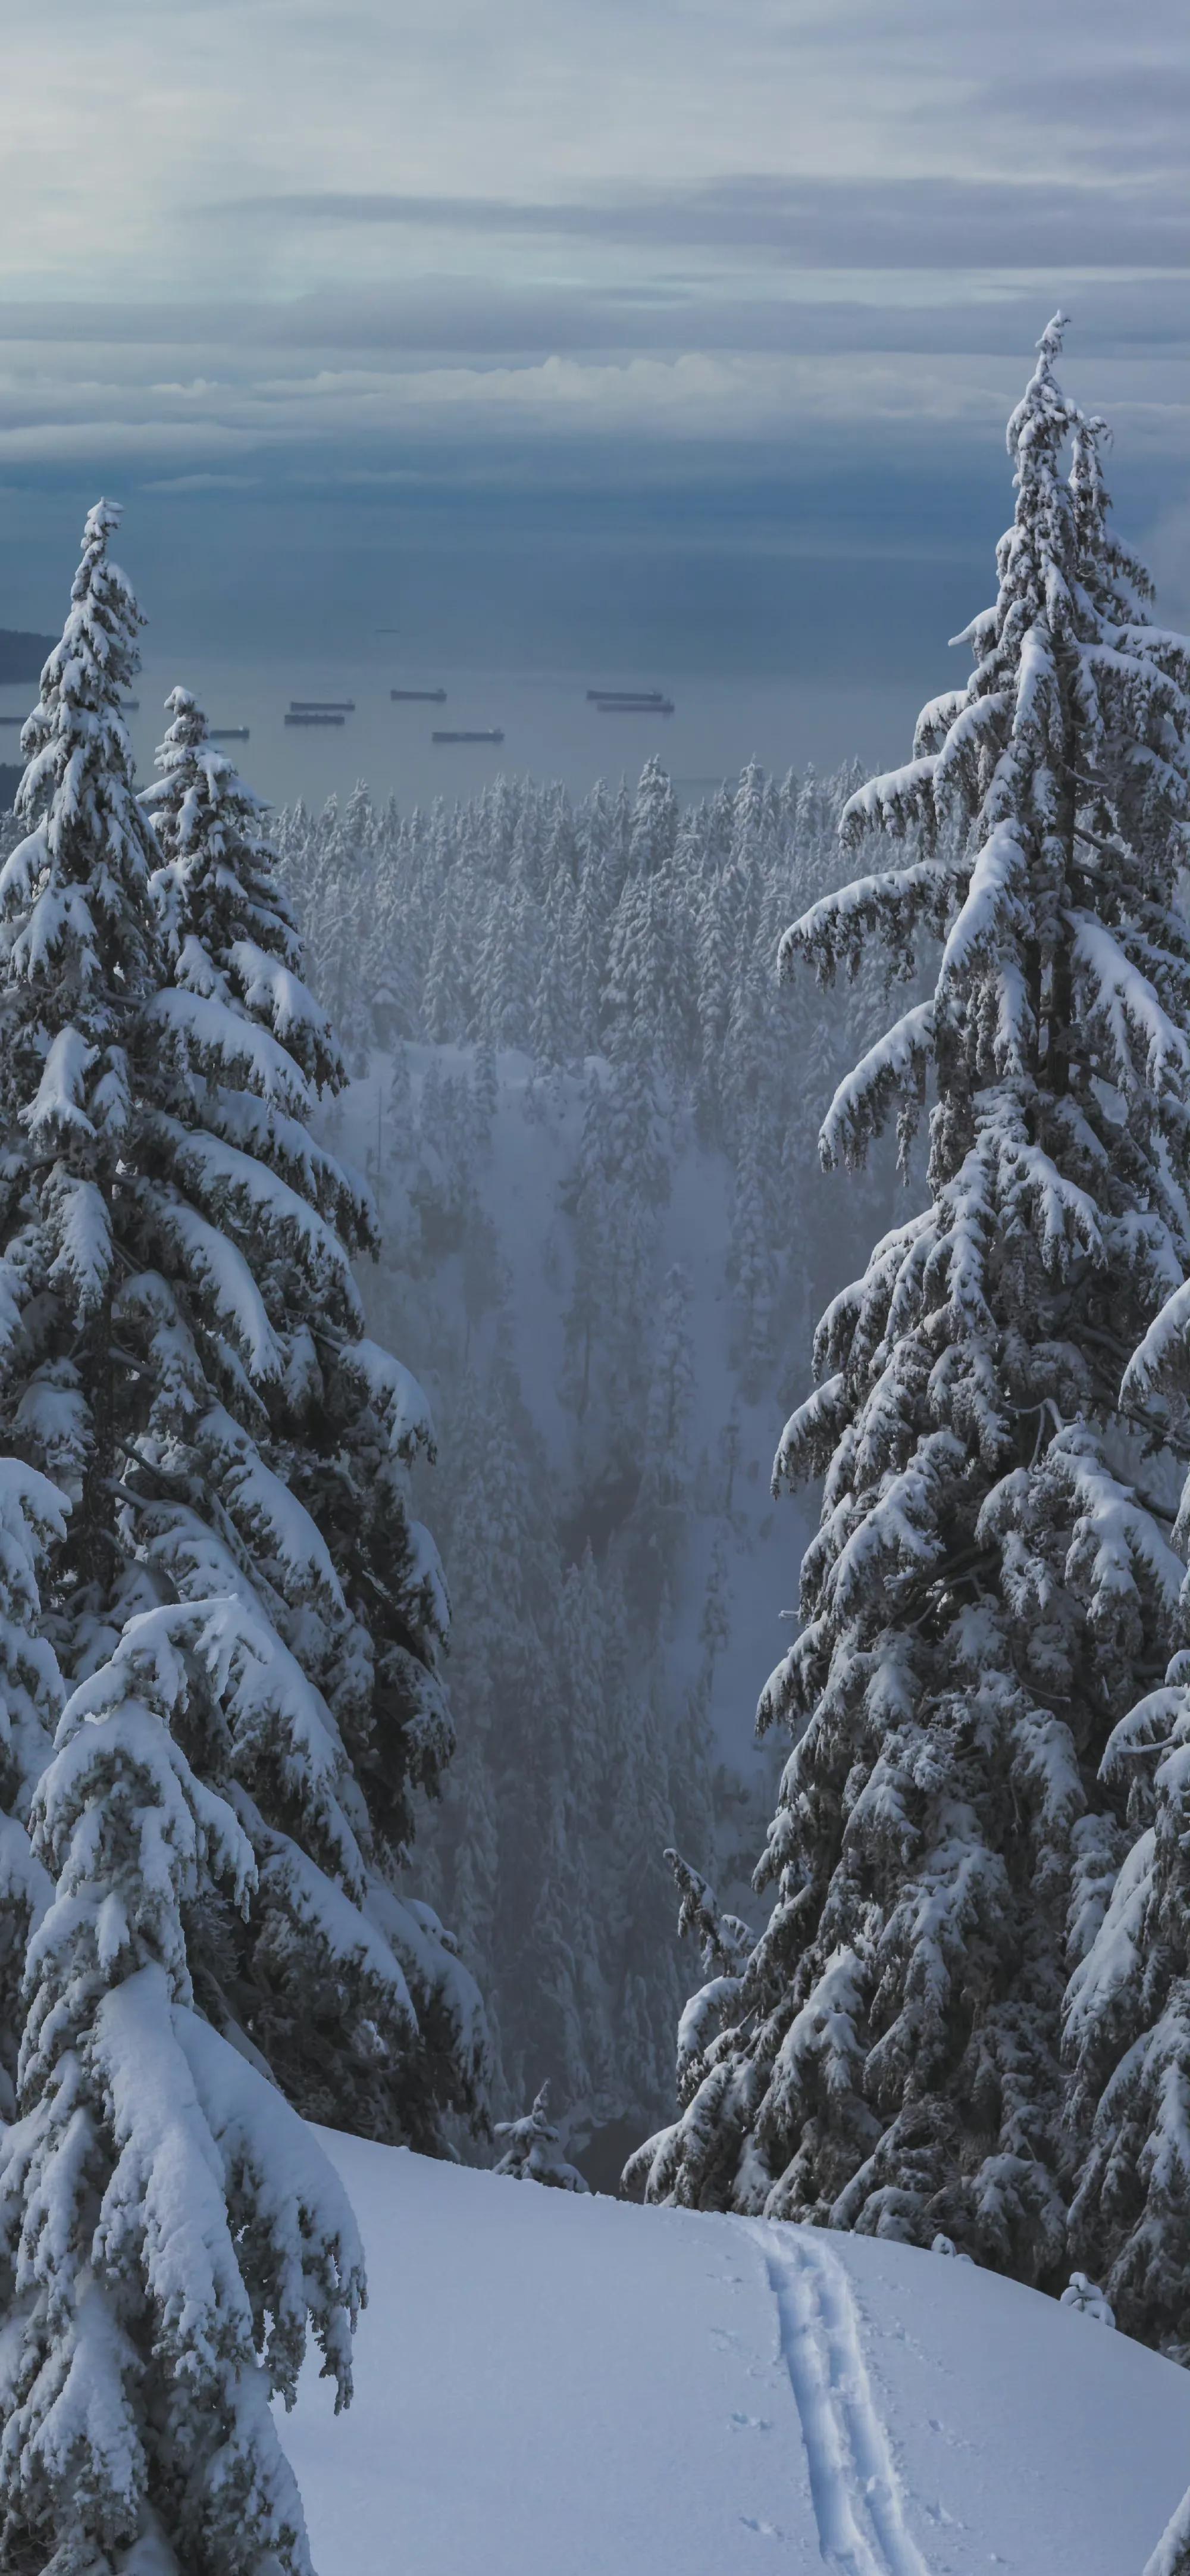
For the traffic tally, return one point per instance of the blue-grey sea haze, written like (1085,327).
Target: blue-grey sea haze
(550,730)
(581,336)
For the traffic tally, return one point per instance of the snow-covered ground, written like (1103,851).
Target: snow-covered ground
(558,2387)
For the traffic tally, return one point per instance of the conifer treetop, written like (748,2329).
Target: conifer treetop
(229,932)
(76,793)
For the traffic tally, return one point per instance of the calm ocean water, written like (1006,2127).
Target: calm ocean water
(549,728)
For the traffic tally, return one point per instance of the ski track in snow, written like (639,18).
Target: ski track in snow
(854,2486)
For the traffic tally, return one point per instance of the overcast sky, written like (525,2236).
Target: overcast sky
(547,328)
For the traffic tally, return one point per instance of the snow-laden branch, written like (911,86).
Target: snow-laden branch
(893,1069)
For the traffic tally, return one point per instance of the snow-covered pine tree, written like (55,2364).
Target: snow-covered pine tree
(209,1424)
(654,827)
(657,1529)
(1087,2300)
(588,1313)
(359,824)
(724,1945)
(170,2231)
(269,1455)
(987,1589)
(672,1390)
(533,2152)
(443,1001)
(552,1019)
(558,1960)
(642,1829)
(582,1682)
(692,1760)
(78,956)
(752,1266)
(32,1518)
(587,936)
(1128,2033)
(467,1832)
(1128,2005)
(485,1093)
(77,961)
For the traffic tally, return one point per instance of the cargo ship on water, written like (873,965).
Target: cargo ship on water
(634,706)
(420,697)
(322,706)
(228,733)
(315,716)
(630,702)
(493,734)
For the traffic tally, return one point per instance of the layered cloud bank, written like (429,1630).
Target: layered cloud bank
(742,286)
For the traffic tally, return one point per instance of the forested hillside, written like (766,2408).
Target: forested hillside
(605,1231)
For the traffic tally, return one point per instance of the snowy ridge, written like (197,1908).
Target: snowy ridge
(549,2385)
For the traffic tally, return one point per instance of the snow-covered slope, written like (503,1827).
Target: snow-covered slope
(558,2387)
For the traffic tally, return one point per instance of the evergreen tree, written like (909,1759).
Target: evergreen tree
(485,1092)
(561,1938)
(752,1266)
(671,1394)
(635,1152)
(1087,2300)
(582,1679)
(359,825)
(657,1530)
(654,828)
(619,837)
(443,1004)
(588,1311)
(254,1615)
(533,2150)
(280,1466)
(643,1000)
(497,1816)
(552,1020)
(32,1519)
(170,2232)
(729,1448)
(642,1828)
(77,962)
(692,1792)
(469,1830)
(721,942)
(714,1627)
(587,956)
(987,1587)
(572,1905)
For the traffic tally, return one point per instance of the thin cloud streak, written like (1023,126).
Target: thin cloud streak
(892,223)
